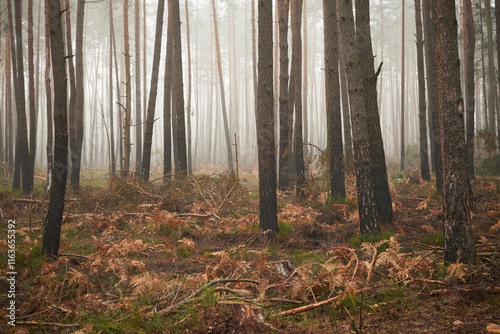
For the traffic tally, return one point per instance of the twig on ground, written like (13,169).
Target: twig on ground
(316,305)
(42,323)
(203,288)
(75,255)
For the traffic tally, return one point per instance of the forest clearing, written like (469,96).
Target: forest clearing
(188,257)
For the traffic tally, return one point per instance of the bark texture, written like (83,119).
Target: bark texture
(265,121)
(459,243)
(52,231)
(332,89)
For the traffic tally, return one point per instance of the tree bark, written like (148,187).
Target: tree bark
(52,231)
(284,173)
(31,89)
(22,157)
(265,122)
(148,135)
(111,109)
(403,93)
(76,156)
(298,147)
(128,94)
(492,90)
(188,113)
(138,111)
(178,93)
(376,145)
(424,156)
(469,35)
(368,216)
(497,16)
(332,95)
(459,243)
(48,97)
(223,98)
(433,107)
(167,98)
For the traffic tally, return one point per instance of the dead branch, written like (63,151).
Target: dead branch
(196,215)
(316,305)
(42,323)
(75,255)
(283,300)
(203,288)
(227,196)
(142,191)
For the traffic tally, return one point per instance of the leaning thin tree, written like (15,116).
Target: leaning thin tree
(458,240)
(52,231)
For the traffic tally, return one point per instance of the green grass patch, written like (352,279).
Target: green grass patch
(436,239)
(285,230)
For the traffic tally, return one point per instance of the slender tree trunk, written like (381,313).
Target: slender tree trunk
(459,243)
(497,16)
(469,35)
(284,174)
(148,135)
(424,156)
(52,231)
(332,89)
(254,54)
(111,109)
(167,101)
(305,85)
(492,85)
(31,85)
(138,111)
(265,122)
(76,156)
(349,151)
(223,98)
(8,104)
(128,93)
(433,107)
(188,112)
(403,93)
(48,95)
(23,159)
(298,147)
(178,93)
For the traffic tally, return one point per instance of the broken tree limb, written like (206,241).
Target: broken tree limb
(316,305)
(42,323)
(203,288)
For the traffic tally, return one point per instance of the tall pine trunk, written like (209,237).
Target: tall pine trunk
(76,156)
(376,145)
(222,93)
(469,35)
(424,156)
(367,204)
(332,95)
(433,107)
(128,94)
(148,135)
(178,93)
(265,122)
(298,147)
(167,98)
(138,112)
(52,231)
(459,243)
(284,173)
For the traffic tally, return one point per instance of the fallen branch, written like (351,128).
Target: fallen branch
(316,305)
(203,288)
(75,255)
(42,323)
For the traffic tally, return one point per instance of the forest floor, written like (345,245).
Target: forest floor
(187,256)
